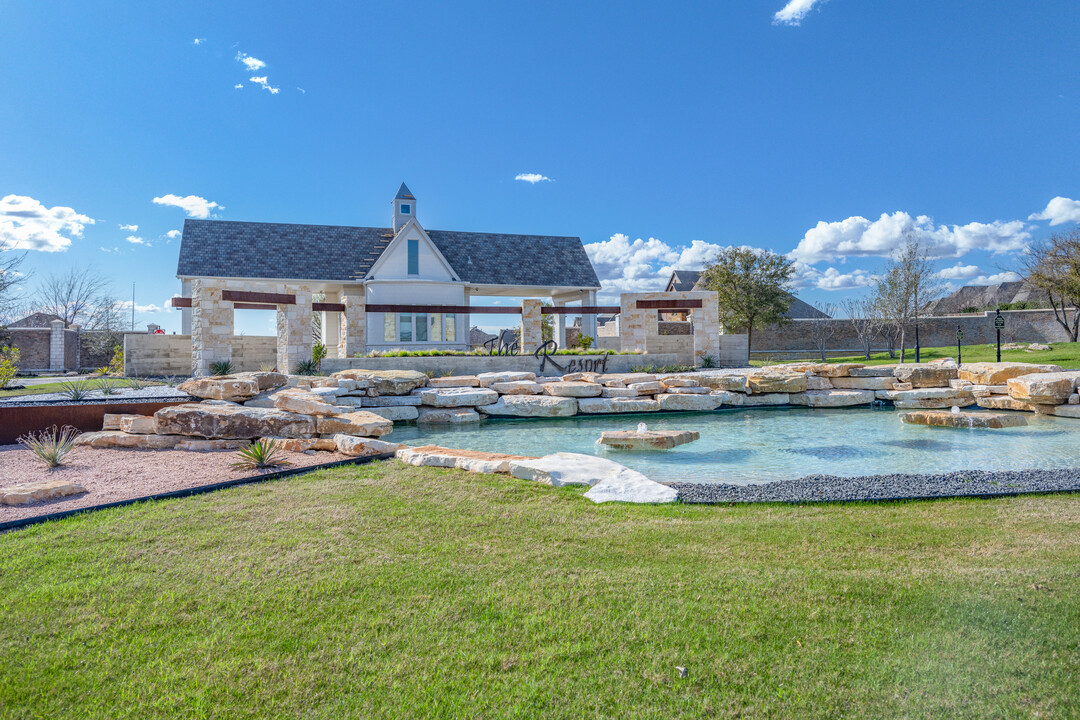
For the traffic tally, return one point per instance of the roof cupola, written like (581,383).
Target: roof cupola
(404,207)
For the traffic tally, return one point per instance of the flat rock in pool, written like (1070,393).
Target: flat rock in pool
(647,439)
(942,418)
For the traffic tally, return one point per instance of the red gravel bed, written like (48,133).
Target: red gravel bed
(110,475)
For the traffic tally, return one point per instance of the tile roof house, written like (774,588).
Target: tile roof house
(682,280)
(402,264)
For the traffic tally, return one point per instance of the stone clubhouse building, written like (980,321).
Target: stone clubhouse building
(401,286)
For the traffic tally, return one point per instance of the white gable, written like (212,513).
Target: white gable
(393,264)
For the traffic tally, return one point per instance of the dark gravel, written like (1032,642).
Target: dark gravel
(830,488)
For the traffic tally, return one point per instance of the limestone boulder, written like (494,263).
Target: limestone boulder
(1004,402)
(864,383)
(590,377)
(519,387)
(111,421)
(952,402)
(688,390)
(394,414)
(118,439)
(835,370)
(930,397)
(454,381)
(297,445)
(609,481)
(646,387)
(600,405)
(688,403)
(358,423)
(1069,411)
(470,460)
(730,383)
(947,418)
(329,392)
(220,421)
(573,388)
(265,380)
(387,382)
(391,401)
(621,392)
(636,489)
(679,381)
(625,379)
(813,382)
(1044,388)
(265,399)
(138,424)
(447,416)
(192,445)
(993,373)
(361,446)
(531,406)
(221,387)
(303,402)
(647,439)
(458,397)
(28,492)
(776,382)
(832,398)
(872,371)
(741,400)
(925,375)
(490,378)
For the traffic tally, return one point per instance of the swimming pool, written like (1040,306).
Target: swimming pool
(748,446)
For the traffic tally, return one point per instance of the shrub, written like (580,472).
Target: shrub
(137,383)
(259,455)
(105,387)
(318,354)
(586,342)
(221,367)
(708,361)
(116,364)
(267,367)
(52,445)
(307,367)
(75,389)
(9,365)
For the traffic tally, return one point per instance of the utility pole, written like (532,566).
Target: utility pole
(916,323)
(133,307)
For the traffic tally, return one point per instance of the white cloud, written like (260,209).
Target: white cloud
(198,41)
(172,234)
(108,250)
(959,272)
(136,240)
(193,205)
(857,236)
(26,224)
(625,266)
(972,275)
(532,178)
(130,228)
(151,308)
(238,86)
(251,63)
(794,12)
(1059,210)
(807,276)
(302,91)
(262,82)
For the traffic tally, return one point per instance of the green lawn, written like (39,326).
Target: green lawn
(392,591)
(1067,355)
(57,386)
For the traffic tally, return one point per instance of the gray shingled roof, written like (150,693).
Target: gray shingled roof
(404,193)
(220,248)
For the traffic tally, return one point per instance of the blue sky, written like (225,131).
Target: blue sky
(663,130)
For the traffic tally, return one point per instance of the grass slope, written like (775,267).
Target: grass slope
(394,591)
(1067,355)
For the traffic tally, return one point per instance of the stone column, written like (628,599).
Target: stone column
(706,321)
(353,323)
(331,327)
(464,325)
(56,345)
(631,324)
(211,328)
(532,330)
(294,329)
(560,324)
(588,321)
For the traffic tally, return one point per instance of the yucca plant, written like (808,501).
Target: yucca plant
(222,367)
(105,387)
(51,445)
(75,389)
(307,367)
(259,455)
(137,383)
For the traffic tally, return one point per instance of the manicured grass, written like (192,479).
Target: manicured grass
(58,386)
(393,591)
(1067,355)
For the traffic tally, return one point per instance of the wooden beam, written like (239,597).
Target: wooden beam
(582,310)
(668,304)
(328,307)
(258,297)
(181,302)
(472,309)
(253,306)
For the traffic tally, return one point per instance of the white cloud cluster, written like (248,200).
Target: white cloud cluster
(808,276)
(1059,210)
(251,63)
(794,12)
(262,82)
(532,178)
(972,275)
(193,205)
(198,41)
(130,228)
(136,240)
(26,224)
(857,236)
(172,234)
(151,308)
(238,86)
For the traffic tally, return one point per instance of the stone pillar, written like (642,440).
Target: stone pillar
(465,323)
(294,329)
(560,324)
(56,345)
(706,321)
(532,329)
(631,324)
(211,328)
(185,313)
(353,323)
(331,328)
(588,321)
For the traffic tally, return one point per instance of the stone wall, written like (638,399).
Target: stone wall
(170,355)
(796,338)
(33,345)
(473,364)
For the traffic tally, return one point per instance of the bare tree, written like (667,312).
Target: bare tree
(865,320)
(104,325)
(822,328)
(905,290)
(1053,266)
(73,296)
(11,280)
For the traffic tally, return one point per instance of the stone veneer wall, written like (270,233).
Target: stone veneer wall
(638,327)
(294,329)
(33,345)
(1029,326)
(472,364)
(170,355)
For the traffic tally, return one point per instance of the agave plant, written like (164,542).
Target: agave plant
(222,367)
(137,383)
(75,389)
(105,387)
(307,367)
(259,455)
(50,445)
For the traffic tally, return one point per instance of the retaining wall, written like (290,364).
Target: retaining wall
(170,355)
(473,364)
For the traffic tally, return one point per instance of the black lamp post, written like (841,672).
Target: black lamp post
(916,323)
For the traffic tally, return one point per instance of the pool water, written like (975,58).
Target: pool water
(747,446)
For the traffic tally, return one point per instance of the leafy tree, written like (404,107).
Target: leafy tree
(752,287)
(1053,266)
(908,285)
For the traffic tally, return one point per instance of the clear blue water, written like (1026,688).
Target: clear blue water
(758,445)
